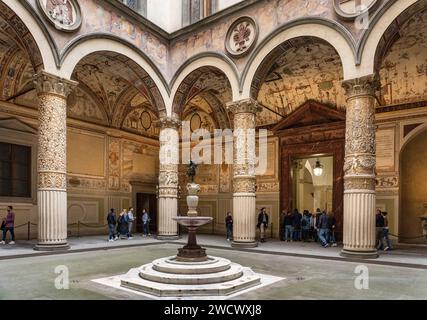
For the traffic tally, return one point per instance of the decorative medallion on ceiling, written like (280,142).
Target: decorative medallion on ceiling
(241,37)
(352,9)
(65,15)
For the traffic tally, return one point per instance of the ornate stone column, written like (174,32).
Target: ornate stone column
(52,155)
(168,178)
(244,179)
(359,169)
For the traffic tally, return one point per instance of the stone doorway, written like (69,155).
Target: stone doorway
(312,130)
(149,202)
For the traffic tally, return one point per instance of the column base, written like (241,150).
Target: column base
(237,244)
(168,238)
(359,254)
(52,247)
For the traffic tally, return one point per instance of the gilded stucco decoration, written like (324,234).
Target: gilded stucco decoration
(360,148)
(52,145)
(244,179)
(168,172)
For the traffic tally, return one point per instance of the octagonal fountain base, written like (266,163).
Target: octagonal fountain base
(170,277)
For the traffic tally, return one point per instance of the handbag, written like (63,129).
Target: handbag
(3,226)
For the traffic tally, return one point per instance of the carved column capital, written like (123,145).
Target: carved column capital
(363,86)
(47,83)
(244,106)
(168,123)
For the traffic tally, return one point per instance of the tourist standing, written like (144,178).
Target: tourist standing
(262,223)
(332,227)
(305,225)
(145,223)
(297,225)
(386,238)
(289,226)
(122,226)
(323,229)
(229,225)
(130,218)
(317,220)
(379,226)
(9,225)
(111,220)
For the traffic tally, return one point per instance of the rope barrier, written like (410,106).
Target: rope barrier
(401,237)
(78,224)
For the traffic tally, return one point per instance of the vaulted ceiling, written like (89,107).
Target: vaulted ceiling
(307,69)
(114,91)
(403,71)
(16,66)
(206,93)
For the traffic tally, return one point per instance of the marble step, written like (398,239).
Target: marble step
(171,265)
(133,281)
(147,272)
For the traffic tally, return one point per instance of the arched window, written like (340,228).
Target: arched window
(195,10)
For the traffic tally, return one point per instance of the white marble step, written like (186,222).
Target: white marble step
(171,265)
(148,273)
(133,281)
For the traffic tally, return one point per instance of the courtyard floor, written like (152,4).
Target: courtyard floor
(310,271)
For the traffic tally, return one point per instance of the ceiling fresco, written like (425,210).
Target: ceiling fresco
(204,94)
(305,71)
(16,69)
(124,92)
(404,69)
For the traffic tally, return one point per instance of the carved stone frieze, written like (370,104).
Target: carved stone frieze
(168,192)
(168,123)
(168,179)
(244,184)
(359,183)
(360,164)
(385,182)
(268,187)
(52,180)
(87,183)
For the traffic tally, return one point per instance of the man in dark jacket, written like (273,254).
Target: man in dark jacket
(324,229)
(262,223)
(297,217)
(111,220)
(332,227)
(379,224)
(288,225)
(229,225)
